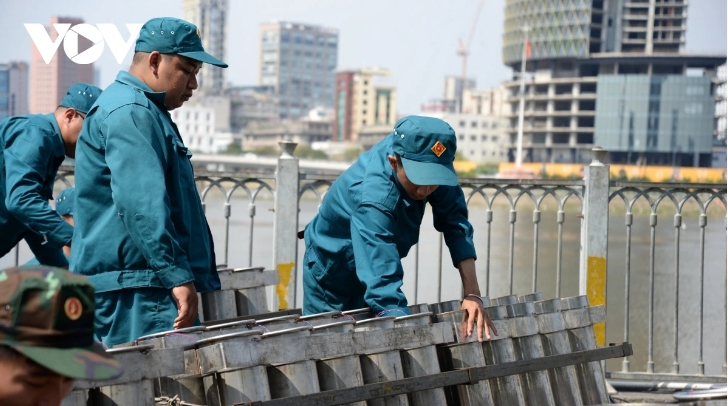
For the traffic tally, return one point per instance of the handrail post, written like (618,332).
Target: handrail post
(593,269)
(285,224)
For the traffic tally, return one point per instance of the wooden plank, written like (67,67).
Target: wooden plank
(272,351)
(367,392)
(138,366)
(550,362)
(644,376)
(464,376)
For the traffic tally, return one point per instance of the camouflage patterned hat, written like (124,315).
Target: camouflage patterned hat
(47,314)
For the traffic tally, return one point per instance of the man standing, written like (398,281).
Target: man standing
(371,216)
(141,234)
(47,336)
(32,149)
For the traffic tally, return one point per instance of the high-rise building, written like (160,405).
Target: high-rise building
(486,102)
(720,106)
(364,98)
(453,92)
(210,17)
(50,82)
(580,55)
(299,61)
(481,137)
(196,126)
(251,104)
(13,89)
(667,119)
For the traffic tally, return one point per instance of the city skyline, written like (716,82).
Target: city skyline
(375,33)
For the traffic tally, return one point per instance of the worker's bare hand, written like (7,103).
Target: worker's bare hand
(475,314)
(186,298)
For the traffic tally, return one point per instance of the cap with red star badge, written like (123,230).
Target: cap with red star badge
(168,35)
(427,147)
(47,315)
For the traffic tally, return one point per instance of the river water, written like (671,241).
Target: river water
(427,292)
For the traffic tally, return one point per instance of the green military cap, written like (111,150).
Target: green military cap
(427,147)
(81,97)
(47,315)
(65,201)
(168,35)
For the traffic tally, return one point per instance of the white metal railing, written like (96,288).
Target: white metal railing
(587,199)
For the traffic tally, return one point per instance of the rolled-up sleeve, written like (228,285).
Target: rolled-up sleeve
(135,155)
(378,265)
(450,216)
(27,159)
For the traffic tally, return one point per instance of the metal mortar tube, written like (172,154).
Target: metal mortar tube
(532,297)
(341,372)
(200,309)
(581,337)
(527,345)
(226,328)
(218,305)
(291,379)
(444,307)
(360,314)
(313,320)
(383,366)
(420,362)
(467,353)
(555,341)
(507,390)
(275,323)
(140,393)
(76,398)
(251,301)
(228,386)
(188,387)
(503,300)
(419,308)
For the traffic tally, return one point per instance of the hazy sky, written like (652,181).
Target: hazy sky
(415,39)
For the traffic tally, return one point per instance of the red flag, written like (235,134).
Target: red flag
(528,48)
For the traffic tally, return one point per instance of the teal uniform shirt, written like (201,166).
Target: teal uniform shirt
(140,226)
(31,151)
(365,225)
(34,261)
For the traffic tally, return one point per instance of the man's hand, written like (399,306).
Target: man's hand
(474,312)
(186,298)
(473,307)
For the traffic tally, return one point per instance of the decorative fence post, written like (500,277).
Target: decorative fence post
(285,225)
(593,269)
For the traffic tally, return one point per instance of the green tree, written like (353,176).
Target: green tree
(234,149)
(487,169)
(304,151)
(266,150)
(352,154)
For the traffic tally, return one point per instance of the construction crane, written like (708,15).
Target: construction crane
(464,50)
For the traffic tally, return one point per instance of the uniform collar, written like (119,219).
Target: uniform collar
(133,81)
(60,147)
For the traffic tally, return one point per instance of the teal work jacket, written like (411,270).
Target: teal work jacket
(138,216)
(367,223)
(31,151)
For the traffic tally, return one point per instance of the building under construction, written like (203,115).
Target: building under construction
(610,73)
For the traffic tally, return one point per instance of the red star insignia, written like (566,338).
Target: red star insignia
(438,149)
